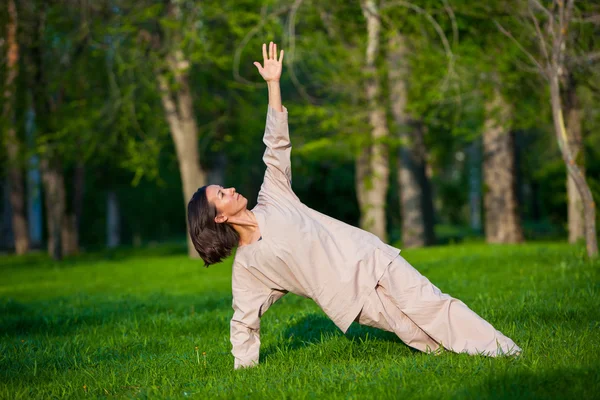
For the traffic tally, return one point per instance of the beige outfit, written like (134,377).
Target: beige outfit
(337,265)
(408,304)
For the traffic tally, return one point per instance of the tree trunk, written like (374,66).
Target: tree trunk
(372,167)
(575,143)
(589,207)
(475,185)
(69,239)
(15,168)
(34,192)
(113,225)
(53,181)
(502,220)
(54,192)
(416,202)
(72,218)
(6,232)
(177,104)
(78,192)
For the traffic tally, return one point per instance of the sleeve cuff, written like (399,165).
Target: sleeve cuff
(277,115)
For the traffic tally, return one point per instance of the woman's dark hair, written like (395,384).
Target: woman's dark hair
(212,241)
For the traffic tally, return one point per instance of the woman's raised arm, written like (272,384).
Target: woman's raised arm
(271,73)
(278,176)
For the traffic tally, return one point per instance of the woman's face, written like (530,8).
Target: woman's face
(227,201)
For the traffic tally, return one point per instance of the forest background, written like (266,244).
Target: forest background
(425,122)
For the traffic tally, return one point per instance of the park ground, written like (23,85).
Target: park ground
(151,323)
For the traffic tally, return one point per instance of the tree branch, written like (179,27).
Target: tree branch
(244,42)
(450,12)
(592,19)
(291,52)
(528,54)
(436,26)
(568,16)
(540,7)
(587,58)
(538,31)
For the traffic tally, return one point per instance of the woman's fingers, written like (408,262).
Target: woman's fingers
(272,54)
(257,64)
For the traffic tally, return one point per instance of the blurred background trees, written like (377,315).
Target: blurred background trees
(423,121)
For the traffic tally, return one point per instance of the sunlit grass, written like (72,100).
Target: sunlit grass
(153,324)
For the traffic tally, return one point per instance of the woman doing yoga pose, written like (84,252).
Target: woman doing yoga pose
(284,246)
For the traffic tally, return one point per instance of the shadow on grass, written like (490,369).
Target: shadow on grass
(554,384)
(64,316)
(315,329)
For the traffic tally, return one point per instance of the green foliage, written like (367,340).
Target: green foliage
(101,62)
(153,323)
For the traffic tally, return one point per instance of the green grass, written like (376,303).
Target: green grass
(127,324)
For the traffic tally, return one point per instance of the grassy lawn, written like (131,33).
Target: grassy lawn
(152,324)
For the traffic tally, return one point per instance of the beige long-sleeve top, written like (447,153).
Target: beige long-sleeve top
(301,251)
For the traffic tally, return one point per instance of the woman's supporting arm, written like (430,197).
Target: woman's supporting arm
(251,299)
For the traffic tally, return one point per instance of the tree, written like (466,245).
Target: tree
(573,123)
(176,45)
(60,68)
(12,142)
(554,57)
(502,219)
(372,164)
(176,97)
(415,196)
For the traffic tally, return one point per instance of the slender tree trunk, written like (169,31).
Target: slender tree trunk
(113,225)
(362,180)
(34,192)
(502,220)
(475,185)
(54,192)
(78,192)
(575,143)
(373,167)
(589,207)
(69,239)
(6,231)
(70,226)
(177,104)
(15,168)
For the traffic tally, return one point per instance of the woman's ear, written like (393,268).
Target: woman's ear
(219,219)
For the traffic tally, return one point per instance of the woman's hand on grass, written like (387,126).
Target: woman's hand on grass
(271,70)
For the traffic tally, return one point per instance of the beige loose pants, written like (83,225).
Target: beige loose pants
(408,304)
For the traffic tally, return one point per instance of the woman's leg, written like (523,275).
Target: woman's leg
(446,319)
(379,312)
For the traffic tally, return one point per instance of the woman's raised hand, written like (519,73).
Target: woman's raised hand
(271,70)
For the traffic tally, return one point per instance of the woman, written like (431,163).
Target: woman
(284,246)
